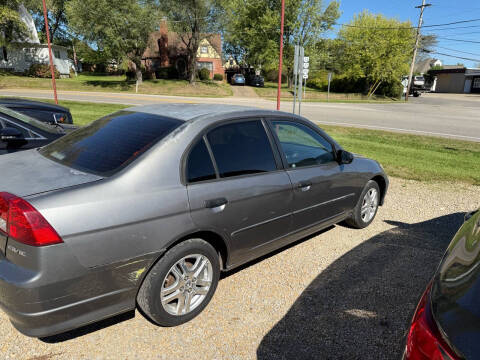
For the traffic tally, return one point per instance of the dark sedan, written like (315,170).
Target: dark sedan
(257,81)
(20,132)
(446,324)
(148,205)
(45,112)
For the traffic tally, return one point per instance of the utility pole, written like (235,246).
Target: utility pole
(280,60)
(417,39)
(50,56)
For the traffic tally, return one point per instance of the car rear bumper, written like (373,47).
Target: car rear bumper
(46,303)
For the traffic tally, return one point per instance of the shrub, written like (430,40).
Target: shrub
(204,74)
(218,77)
(166,73)
(42,71)
(272,76)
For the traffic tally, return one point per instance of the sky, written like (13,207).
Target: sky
(441,11)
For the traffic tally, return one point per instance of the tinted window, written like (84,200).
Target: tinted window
(111,143)
(199,164)
(302,145)
(241,148)
(26,133)
(45,116)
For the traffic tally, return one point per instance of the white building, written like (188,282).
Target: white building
(19,56)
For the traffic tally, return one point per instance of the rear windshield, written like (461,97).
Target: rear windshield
(110,143)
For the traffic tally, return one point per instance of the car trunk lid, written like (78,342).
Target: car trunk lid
(28,172)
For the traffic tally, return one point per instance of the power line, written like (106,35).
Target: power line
(459,40)
(453,56)
(407,27)
(458,51)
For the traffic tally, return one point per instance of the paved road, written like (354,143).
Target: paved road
(344,294)
(453,116)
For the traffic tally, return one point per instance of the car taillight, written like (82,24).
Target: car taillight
(22,222)
(424,340)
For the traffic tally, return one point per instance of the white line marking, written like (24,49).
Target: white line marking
(397,129)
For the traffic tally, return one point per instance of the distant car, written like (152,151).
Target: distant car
(256,80)
(20,132)
(45,112)
(238,79)
(146,207)
(446,324)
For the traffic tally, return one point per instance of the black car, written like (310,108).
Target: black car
(49,113)
(21,132)
(446,324)
(256,80)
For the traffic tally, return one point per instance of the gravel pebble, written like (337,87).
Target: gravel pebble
(344,293)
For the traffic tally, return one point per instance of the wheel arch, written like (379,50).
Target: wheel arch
(382,184)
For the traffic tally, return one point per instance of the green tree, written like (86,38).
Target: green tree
(57,20)
(11,26)
(192,20)
(254,27)
(120,29)
(376,49)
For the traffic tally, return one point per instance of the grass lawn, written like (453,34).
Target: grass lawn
(269,91)
(91,82)
(414,157)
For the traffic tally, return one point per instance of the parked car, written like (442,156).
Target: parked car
(256,80)
(49,113)
(146,206)
(20,132)
(446,324)
(238,79)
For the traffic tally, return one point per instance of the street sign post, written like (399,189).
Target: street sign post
(329,80)
(301,67)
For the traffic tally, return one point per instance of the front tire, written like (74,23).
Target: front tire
(367,206)
(181,284)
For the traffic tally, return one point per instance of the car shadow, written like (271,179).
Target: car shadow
(360,306)
(87,329)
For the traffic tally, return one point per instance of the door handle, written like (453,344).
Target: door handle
(304,185)
(215,203)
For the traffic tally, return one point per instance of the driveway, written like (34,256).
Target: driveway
(343,294)
(444,115)
(243,91)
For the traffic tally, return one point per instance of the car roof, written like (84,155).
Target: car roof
(17,102)
(187,112)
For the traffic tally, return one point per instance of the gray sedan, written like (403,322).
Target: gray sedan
(146,207)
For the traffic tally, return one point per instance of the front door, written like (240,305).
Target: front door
(30,139)
(323,189)
(243,193)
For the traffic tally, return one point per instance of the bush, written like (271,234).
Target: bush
(272,76)
(218,77)
(42,71)
(166,73)
(204,74)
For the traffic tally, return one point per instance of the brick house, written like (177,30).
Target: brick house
(166,49)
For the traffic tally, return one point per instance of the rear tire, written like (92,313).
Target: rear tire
(366,209)
(181,284)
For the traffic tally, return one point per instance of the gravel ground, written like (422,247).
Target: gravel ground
(342,294)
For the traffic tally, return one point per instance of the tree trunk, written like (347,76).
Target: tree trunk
(192,64)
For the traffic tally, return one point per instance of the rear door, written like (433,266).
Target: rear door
(236,186)
(323,189)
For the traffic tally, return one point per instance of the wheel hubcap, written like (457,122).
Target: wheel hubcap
(369,205)
(186,285)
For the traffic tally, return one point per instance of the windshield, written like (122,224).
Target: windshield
(110,143)
(31,121)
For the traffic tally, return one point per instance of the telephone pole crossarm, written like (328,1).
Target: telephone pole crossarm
(417,40)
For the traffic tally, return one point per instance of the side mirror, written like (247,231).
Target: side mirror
(344,157)
(10,134)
